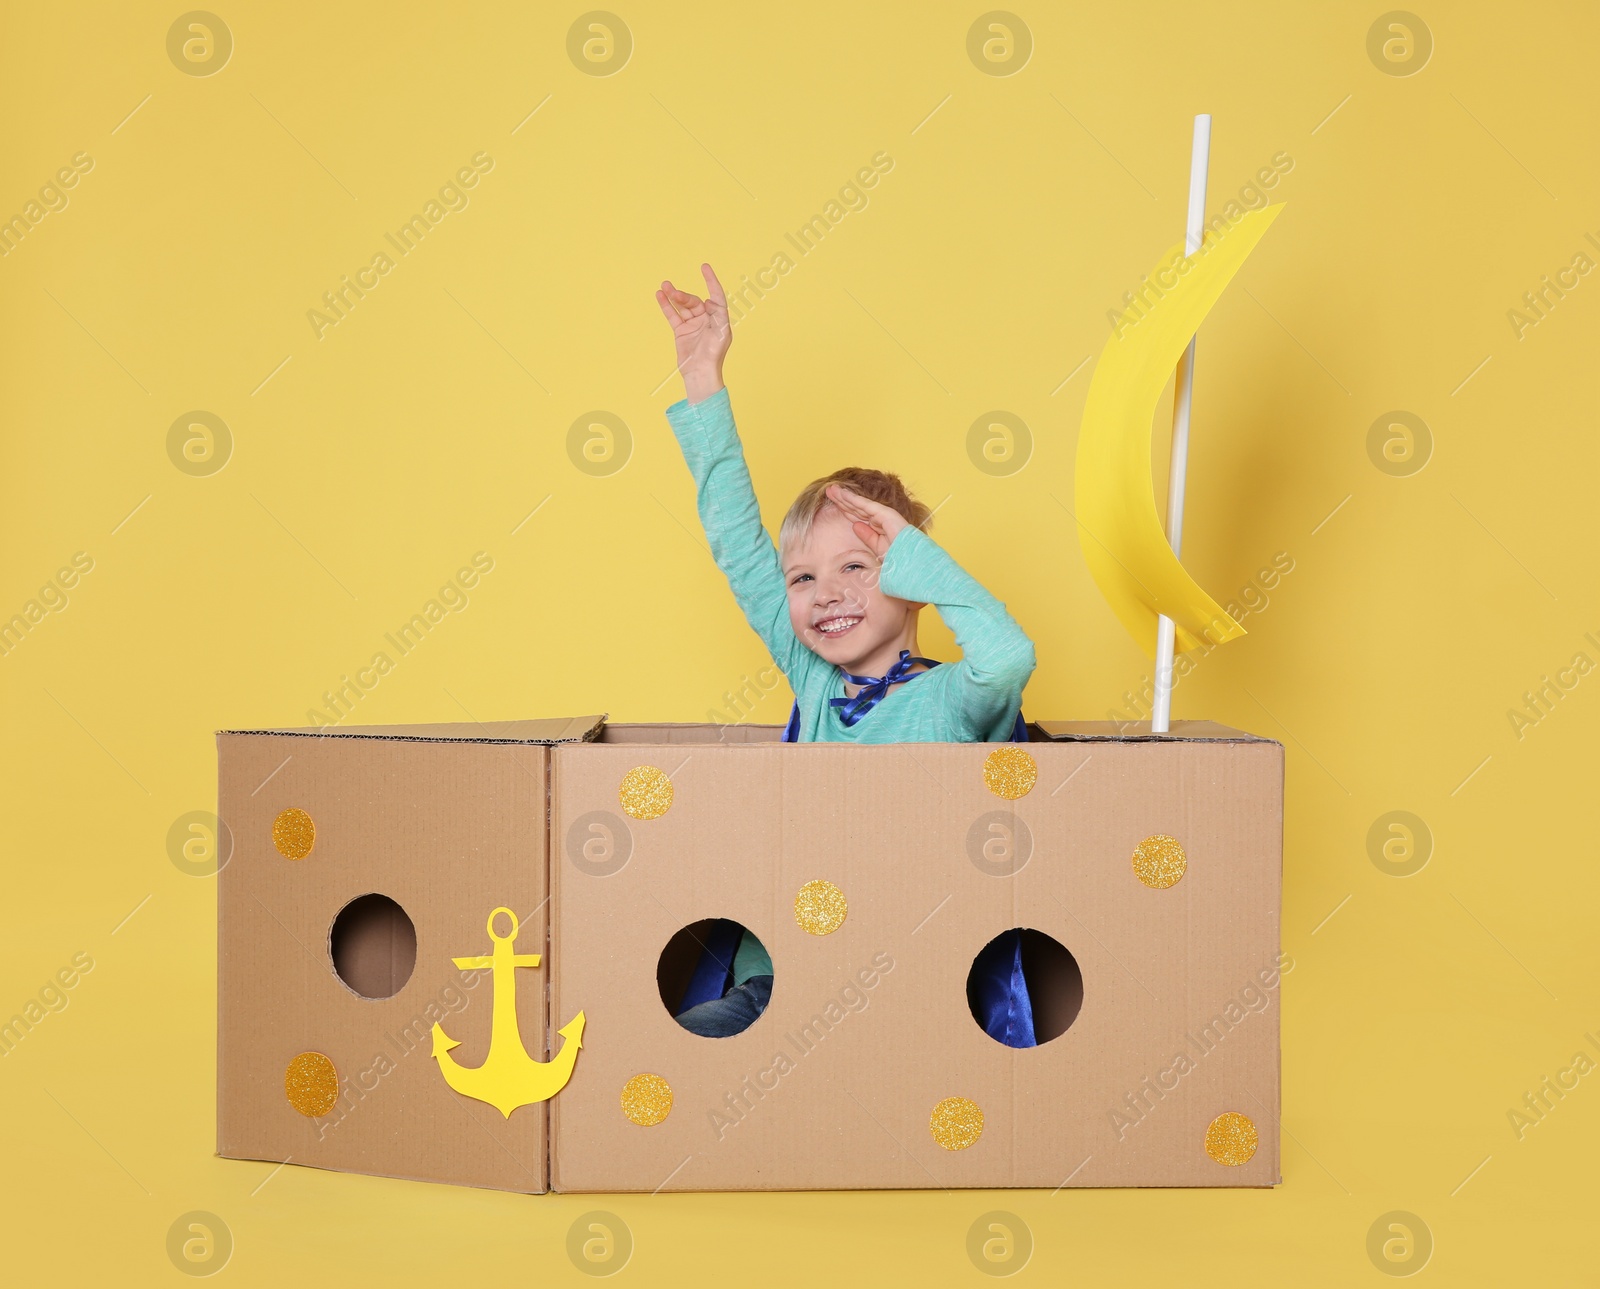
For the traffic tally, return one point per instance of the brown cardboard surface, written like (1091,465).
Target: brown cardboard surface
(872,1020)
(449,830)
(871,1023)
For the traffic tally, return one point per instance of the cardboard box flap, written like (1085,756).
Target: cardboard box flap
(1137,732)
(556,729)
(335,949)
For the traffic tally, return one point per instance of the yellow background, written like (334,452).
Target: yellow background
(430,422)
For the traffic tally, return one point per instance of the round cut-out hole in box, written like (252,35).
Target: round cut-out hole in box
(696,973)
(373,945)
(1039,1007)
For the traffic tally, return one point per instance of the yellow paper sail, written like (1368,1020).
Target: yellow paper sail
(1118,525)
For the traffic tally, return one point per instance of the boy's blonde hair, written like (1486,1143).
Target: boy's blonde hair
(876,485)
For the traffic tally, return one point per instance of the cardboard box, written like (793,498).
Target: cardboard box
(868,1028)
(868,1067)
(447,821)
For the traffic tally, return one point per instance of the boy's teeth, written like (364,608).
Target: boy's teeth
(838,624)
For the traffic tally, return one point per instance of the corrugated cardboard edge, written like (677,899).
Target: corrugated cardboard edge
(1277,1108)
(1130,732)
(217,1066)
(571,729)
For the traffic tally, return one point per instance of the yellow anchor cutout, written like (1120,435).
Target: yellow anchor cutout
(508,1077)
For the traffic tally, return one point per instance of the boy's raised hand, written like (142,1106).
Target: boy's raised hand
(702,333)
(875,524)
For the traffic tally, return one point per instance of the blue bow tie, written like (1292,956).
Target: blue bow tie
(873,688)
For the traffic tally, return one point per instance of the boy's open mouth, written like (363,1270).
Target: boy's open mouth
(835,627)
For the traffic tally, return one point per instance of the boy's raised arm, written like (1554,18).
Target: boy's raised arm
(704,426)
(732,521)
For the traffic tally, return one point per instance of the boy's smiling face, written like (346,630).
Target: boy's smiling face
(835,603)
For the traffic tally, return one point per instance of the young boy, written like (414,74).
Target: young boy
(836,605)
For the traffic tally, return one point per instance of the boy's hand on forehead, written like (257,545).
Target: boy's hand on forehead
(875,524)
(701,331)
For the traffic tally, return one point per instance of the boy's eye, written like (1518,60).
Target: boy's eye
(850,568)
(799,578)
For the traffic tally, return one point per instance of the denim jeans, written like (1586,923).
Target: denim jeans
(731,1014)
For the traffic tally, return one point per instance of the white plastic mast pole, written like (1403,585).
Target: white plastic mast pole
(1183,390)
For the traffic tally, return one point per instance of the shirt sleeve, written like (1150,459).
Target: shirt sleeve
(732,521)
(751,959)
(997,656)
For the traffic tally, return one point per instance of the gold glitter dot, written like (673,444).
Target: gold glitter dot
(956,1123)
(1159,861)
(294,834)
(311,1084)
(1231,1138)
(819,908)
(646,792)
(1010,772)
(647,1099)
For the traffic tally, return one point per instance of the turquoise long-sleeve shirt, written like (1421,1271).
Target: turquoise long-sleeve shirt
(975,700)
